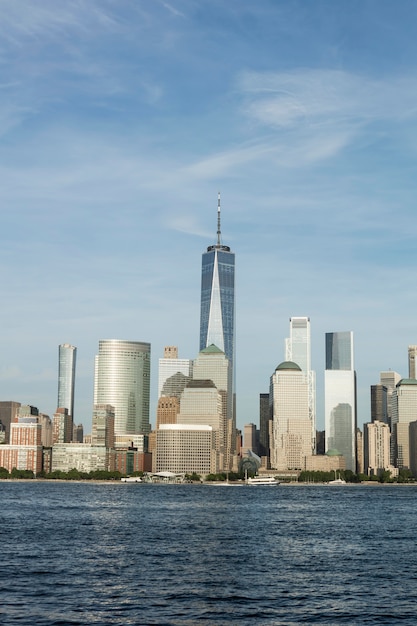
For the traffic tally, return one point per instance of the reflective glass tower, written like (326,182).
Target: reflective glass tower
(66,377)
(122,379)
(217,312)
(340,396)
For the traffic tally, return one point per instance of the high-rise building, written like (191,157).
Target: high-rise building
(66,377)
(264,421)
(404,411)
(212,364)
(340,396)
(102,432)
(292,437)
(217,313)
(298,350)
(376,447)
(185,448)
(379,403)
(8,414)
(412,355)
(174,373)
(167,410)
(202,403)
(122,379)
(389,379)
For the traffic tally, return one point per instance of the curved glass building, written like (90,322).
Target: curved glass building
(122,379)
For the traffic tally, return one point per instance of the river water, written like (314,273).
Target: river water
(112,553)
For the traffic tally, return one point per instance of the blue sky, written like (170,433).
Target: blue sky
(120,120)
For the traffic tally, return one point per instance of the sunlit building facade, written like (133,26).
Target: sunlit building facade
(298,350)
(292,438)
(122,379)
(376,447)
(404,411)
(185,448)
(217,311)
(340,396)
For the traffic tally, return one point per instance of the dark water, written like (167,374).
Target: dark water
(151,554)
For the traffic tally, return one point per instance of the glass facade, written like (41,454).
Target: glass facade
(217,314)
(122,379)
(66,377)
(340,397)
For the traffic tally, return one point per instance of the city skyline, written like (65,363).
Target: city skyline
(301,114)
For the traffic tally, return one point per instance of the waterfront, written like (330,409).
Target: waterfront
(80,553)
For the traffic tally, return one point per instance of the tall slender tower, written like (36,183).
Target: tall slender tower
(217,312)
(122,379)
(340,396)
(66,377)
(298,350)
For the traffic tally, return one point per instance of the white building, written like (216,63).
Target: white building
(80,456)
(298,350)
(185,448)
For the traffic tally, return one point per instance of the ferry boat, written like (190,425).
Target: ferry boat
(263,480)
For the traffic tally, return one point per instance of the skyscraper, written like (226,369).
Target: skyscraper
(217,313)
(412,354)
(66,377)
(340,396)
(298,350)
(292,436)
(173,373)
(122,379)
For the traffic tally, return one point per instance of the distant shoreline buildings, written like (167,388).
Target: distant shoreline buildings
(196,411)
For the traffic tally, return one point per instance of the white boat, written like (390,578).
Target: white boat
(263,480)
(131,479)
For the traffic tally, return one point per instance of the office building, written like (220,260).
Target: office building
(379,404)
(62,427)
(217,312)
(389,379)
(25,449)
(340,396)
(167,410)
(264,425)
(185,448)
(202,404)
(122,379)
(292,438)
(376,447)
(298,350)
(173,373)
(249,439)
(66,377)
(8,413)
(102,431)
(212,364)
(404,411)
(412,353)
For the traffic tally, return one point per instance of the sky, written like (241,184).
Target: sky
(121,120)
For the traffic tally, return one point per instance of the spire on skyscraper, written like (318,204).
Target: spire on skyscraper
(218,221)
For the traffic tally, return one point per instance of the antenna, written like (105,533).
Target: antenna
(218,219)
